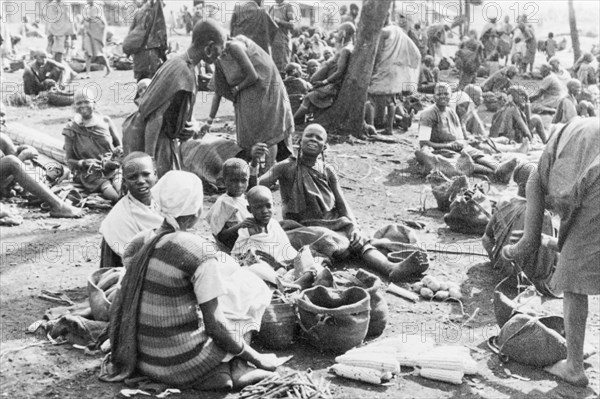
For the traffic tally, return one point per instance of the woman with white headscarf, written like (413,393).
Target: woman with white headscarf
(155,327)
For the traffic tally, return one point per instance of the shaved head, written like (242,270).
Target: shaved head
(235,165)
(135,156)
(315,127)
(259,194)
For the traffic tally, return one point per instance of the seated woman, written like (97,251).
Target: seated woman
(134,213)
(500,80)
(91,144)
(327,81)
(549,92)
(428,76)
(43,74)
(156,328)
(568,106)
(585,70)
(514,119)
(13,170)
(509,219)
(441,134)
(311,195)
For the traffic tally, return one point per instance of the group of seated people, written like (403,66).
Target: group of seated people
(145,231)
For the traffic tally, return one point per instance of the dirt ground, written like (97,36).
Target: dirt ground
(59,255)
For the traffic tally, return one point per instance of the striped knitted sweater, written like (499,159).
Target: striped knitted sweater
(173,346)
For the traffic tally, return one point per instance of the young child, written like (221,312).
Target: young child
(230,212)
(261,232)
(551,46)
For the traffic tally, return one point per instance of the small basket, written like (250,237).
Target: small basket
(278,326)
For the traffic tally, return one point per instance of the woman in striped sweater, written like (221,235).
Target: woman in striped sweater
(156,328)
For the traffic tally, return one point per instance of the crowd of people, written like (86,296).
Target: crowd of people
(279,78)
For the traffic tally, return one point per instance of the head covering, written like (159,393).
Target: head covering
(460,97)
(554,60)
(312,62)
(587,57)
(517,91)
(176,194)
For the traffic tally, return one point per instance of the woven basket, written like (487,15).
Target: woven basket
(278,326)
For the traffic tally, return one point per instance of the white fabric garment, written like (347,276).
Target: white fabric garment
(126,219)
(178,193)
(227,211)
(397,69)
(274,241)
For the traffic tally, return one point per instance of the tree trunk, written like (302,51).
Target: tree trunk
(346,115)
(574,33)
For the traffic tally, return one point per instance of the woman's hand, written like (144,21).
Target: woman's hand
(109,166)
(356,239)
(28,153)
(235,91)
(191,128)
(265,361)
(259,151)
(515,236)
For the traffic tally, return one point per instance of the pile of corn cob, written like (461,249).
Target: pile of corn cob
(442,363)
(297,385)
(374,365)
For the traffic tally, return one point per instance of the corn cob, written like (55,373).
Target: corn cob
(388,350)
(450,376)
(377,361)
(363,374)
(469,366)
(440,361)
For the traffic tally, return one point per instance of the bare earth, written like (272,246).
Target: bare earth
(59,255)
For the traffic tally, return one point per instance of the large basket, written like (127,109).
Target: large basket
(278,326)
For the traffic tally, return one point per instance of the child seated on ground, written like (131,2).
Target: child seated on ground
(263,233)
(230,212)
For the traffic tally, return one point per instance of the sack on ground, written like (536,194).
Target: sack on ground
(533,341)
(374,286)
(469,213)
(445,192)
(103,286)
(334,320)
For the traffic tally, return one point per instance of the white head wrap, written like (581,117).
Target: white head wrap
(178,193)
(458,98)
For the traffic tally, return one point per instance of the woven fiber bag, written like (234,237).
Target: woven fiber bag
(334,320)
(103,286)
(534,341)
(278,326)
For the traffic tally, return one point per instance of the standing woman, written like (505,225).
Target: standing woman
(94,36)
(90,142)
(246,75)
(568,181)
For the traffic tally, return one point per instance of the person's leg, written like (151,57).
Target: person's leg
(88,65)
(369,113)
(415,264)
(109,192)
(106,64)
(571,369)
(390,118)
(537,126)
(379,114)
(300,115)
(12,166)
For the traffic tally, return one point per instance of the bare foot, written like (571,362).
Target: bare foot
(415,264)
(524,147)
(218,380)
(67,211)
(108,71)
(505,170)
(243,374)
(563,371)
